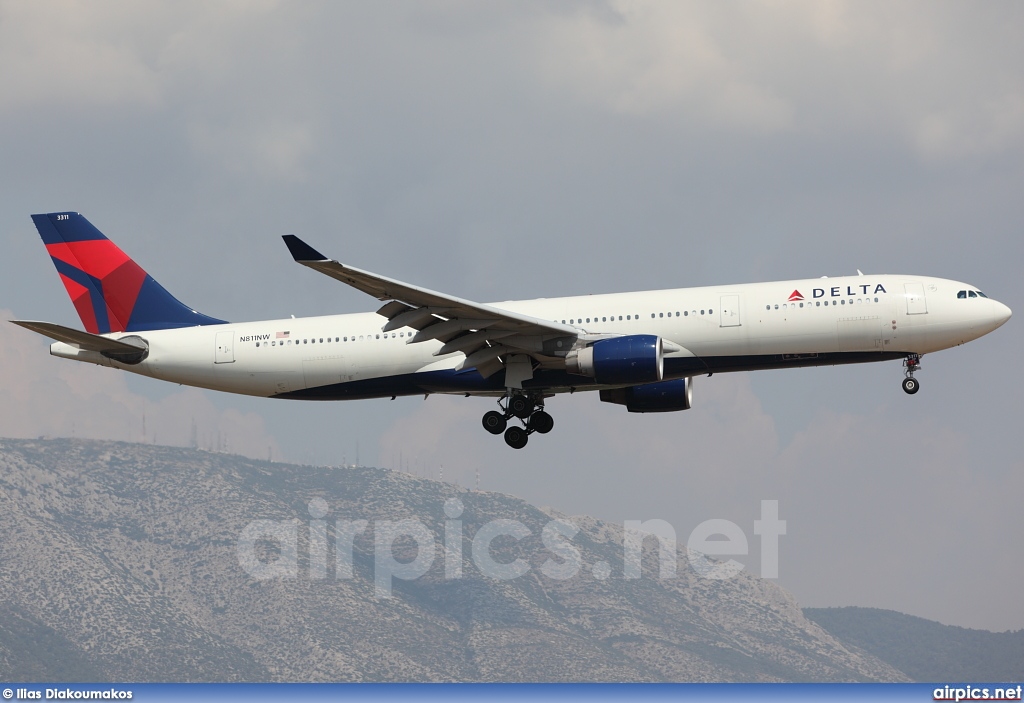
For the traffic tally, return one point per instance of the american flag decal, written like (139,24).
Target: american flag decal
(282,335)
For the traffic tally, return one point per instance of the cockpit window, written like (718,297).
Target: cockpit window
(961,294)
(972,294)
(981,295)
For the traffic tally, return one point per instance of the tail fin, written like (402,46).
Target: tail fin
(110,291)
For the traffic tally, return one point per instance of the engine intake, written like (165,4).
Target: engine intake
(664,397)
(637,358)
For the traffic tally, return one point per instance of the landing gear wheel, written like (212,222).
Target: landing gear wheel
(520,406)
(494,422)
(911,385)
(516,437)
(541,422)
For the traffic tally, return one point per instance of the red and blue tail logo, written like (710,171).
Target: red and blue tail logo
(110,291)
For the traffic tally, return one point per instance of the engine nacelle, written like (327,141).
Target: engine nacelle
(637,358)
(664,397)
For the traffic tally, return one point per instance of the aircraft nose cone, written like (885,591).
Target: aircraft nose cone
(1002,312)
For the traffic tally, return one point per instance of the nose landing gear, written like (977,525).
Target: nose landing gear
(911,364)
(527,408)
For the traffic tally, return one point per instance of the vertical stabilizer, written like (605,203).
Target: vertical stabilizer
(111,292)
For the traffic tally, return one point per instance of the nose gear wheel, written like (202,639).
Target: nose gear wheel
(911,365)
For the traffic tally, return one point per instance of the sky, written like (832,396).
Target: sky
(534,149)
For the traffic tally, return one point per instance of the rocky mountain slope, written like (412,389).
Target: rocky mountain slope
(124,562)
(926,650)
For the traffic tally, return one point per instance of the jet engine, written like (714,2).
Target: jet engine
(664,397)
(637,358)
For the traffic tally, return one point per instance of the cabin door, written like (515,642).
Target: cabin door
(730,311)
(225,351)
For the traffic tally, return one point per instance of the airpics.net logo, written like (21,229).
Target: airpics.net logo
(407,549)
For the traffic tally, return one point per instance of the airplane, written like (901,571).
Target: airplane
(638,349)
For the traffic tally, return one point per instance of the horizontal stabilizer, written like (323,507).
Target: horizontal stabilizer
(82,340)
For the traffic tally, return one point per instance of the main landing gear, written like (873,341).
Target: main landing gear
(527,408)
(911,364)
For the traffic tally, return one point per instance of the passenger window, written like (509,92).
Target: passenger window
(817,304)
(776,306)
(961,294)
(701,312)
(876,300)
(652,315)
(801,304)
(686,314)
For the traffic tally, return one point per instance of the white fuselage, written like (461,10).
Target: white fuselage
(718,328)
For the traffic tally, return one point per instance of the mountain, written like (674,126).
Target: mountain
(144,563)
(925,650)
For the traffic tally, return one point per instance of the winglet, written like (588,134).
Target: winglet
(301,251)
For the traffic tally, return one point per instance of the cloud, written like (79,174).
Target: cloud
(912,71)
(47,396)
(645,58)
(275,151)
(64,54)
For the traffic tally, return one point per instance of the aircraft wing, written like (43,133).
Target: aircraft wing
(484,333)
(77,338)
